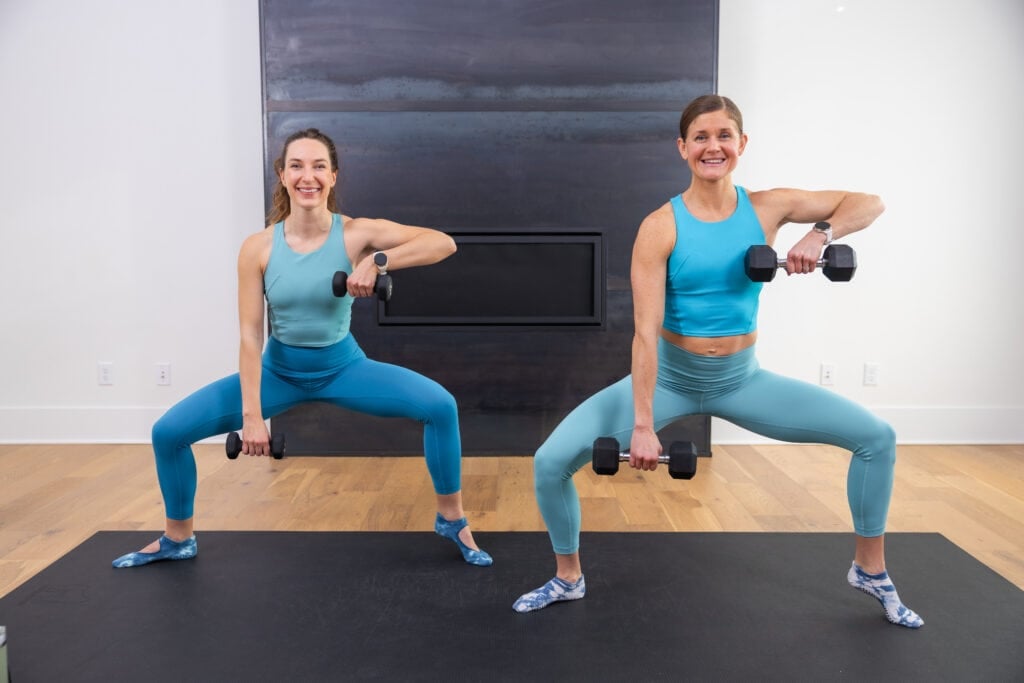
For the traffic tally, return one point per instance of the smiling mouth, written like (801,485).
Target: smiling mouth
(713,162)
(308,191)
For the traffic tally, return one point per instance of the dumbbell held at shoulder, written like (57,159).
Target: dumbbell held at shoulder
(838,263)
(382,287)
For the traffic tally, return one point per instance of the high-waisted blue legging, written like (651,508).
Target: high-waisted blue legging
(733,388)
(340,374)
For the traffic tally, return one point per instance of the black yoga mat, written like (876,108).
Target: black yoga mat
(326,606)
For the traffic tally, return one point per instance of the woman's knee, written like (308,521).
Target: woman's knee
(550,467)
(880,444)
(440,407)
(165,432)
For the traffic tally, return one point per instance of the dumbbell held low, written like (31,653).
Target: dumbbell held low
(839,263)
(383,285)
(233,446)
(681,458)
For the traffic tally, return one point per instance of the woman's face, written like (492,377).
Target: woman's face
(307,173)
(713,145)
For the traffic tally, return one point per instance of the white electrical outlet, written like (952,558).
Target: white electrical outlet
(871,371)
(163,374)
(828,374)
(104,373)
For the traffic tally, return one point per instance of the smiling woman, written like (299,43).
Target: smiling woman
(298,146)
(695,328)
(311,355)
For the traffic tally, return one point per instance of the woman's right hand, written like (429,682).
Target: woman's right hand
(251,264)
(644,449)
(255,438)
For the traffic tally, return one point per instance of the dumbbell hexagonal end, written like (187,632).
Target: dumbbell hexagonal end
(840,262)
(384,287)
(682,460)
(339,283)
(606,455)
(760,263)
(233,446)
(277,446)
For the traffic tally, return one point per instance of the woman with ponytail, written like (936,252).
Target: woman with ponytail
(287,269)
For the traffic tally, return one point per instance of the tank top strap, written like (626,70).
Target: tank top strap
(336,240)
(278,235)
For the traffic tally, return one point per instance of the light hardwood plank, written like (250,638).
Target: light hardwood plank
(53,497)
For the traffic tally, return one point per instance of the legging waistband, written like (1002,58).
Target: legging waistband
(310,362)
(685,371)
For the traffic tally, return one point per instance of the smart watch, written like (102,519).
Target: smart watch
(380,259)
(825,229)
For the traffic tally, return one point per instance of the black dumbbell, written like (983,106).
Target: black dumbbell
(234,445)
(839,263)
(681,458)
(382,286)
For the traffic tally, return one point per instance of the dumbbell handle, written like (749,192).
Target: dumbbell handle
(382,285)
(821,263)
(624,456)
(233,445)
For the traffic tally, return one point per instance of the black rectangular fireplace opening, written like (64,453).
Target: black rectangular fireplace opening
(515,279)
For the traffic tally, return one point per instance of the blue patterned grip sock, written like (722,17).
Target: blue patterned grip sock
(169,550)
(554,590)
(442,527)
(881,587)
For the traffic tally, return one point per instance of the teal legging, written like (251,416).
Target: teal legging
(733,388)
(340,374)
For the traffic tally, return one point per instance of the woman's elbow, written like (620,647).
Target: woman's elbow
(879,205)
(449,246)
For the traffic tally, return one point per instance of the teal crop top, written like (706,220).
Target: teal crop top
(302,305)
(707,292)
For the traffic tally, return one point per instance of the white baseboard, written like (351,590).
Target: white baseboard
(80,425)
(919,425)
(924,425)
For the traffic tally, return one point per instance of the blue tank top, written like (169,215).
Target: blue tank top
(707,292)
(302,305)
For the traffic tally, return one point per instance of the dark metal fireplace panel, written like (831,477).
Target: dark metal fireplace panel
(539,134)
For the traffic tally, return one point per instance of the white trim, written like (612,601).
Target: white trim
(947,425)
(920,425)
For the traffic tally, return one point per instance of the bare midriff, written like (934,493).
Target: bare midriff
(710,346)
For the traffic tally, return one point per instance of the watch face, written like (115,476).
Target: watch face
(380,258)
(822,226)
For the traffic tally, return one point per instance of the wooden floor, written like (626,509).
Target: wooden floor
(54,497)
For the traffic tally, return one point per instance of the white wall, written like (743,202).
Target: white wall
(919,101)
(132,138)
